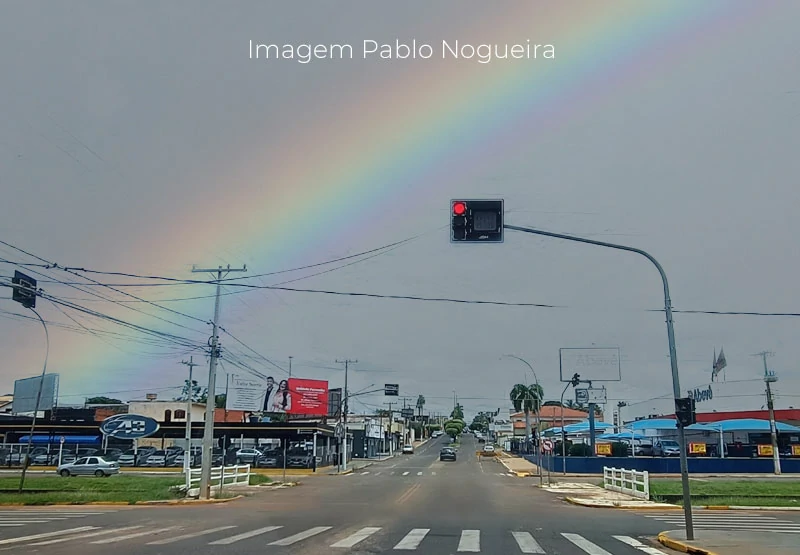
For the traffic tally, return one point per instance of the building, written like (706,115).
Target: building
(167,412)
(549,417)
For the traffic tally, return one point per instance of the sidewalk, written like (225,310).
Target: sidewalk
(727,542)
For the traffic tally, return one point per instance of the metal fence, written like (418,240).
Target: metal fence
(630,482)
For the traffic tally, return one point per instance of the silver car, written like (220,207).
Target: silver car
(87,466)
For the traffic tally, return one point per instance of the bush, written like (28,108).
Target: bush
(619,449)
(580,450)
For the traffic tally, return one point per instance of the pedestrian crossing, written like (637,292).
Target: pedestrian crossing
(374,539)
(417,473)
(23,517)
(727,520)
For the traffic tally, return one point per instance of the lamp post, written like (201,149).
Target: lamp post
(538,408)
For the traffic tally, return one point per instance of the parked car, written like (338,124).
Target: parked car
(666,448)
(408,449)
(87,466)
(447,454)
(248,455)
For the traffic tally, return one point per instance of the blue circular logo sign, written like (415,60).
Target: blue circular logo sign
(129,426)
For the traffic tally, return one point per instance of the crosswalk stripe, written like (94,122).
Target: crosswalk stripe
(244,536)
(413,538)
(419,473)
(526,542)
(365,473)
(405,473)
(47,535)
(433,474)
(353,539)
(302,535)
(470,541)
(87,535)
(188,536)
(633,542)
(585,544)
(134,535)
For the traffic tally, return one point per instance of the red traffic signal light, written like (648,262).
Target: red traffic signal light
(459,208)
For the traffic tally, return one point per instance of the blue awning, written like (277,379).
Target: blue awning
(743,425)
(654,424)
(56,438)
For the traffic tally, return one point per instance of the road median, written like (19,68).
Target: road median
(114,490)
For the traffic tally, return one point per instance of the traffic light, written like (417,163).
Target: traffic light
(685,411)
(24,290)
(576,380)
(476,221)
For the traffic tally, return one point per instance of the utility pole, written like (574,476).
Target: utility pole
(770,377)
(347,363)
(391,423)
(290,366)
(211,398)
(187,455)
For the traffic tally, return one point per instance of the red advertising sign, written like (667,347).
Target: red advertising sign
(309,397)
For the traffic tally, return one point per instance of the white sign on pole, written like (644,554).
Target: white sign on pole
(593,364)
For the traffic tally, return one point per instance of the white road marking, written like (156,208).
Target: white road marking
(250,534)
(353,539)
(413,539)
(639,545)
(433,474)
(526,542)
(47,535)
(365,473)
(419,473)
(585,544)
(470,541)
(189,536)
(405,473)
(302,535)
(135,535)
(87,535)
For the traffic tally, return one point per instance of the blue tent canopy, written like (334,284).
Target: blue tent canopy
(578,427)
(623,436)
(654,424)
(743,425)
(55,438)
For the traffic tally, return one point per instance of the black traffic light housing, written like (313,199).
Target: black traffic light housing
(476,221)
(685,411)
(576,380)
(24,290)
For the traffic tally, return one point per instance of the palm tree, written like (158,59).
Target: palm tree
(420,404)
(458,412)
(527,398)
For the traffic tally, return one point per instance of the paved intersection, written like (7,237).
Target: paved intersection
(411,503)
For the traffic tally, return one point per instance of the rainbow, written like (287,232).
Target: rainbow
(441,117)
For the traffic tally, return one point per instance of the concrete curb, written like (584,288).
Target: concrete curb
(127,504)
(622,505)
(677,545)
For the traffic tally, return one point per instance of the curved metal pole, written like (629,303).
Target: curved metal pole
(673,358)
(38,400)
(538,421)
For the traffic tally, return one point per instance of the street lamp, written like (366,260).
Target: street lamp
(538,409)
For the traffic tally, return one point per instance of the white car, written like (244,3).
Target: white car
(488,449)
(408,449)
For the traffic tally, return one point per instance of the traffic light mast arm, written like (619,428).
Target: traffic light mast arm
(673,357)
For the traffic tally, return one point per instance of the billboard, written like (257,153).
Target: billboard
(334,402)
(593,364)
(292,396)
(26,390)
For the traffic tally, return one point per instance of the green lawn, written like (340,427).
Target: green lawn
(771,493)
(48,490)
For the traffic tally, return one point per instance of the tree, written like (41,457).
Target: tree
(458,412)
(481,422)
(192,389)
(527,398)
(420,404)
(219,400)
(102,401)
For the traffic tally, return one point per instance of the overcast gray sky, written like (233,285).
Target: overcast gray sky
(142,139)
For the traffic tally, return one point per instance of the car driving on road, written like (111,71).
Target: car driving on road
(408,449)
(447,454)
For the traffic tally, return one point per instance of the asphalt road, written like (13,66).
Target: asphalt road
(409,503)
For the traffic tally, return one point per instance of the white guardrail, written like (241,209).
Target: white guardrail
(221,476)
(631,482)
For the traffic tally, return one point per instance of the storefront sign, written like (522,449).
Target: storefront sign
(700,395)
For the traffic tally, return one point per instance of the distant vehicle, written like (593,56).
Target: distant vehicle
(447,454)
(86,466)
(488,449)
(408,449)
(666,448)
